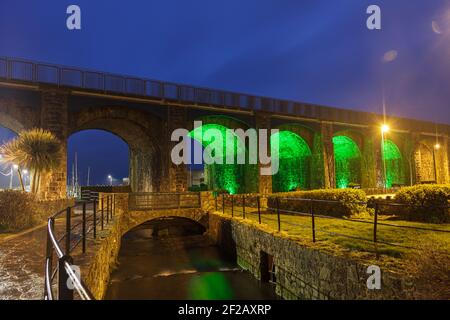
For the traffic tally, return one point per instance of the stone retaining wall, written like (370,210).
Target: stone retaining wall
(302,272)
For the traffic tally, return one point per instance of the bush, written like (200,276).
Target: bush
(433,198)
(16,210)
(20,210)
(350,202)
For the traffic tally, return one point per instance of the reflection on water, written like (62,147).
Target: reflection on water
(179,267)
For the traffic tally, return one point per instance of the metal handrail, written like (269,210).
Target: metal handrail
(64,269)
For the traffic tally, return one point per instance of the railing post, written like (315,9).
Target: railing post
(68,227)
(313,221)
(259,210)
(107,209)
(103,210)
(215,201)
(95,218)
(49,254)
(243,207)
(83,229)
(114,205)
(375,222)
(64,292)
(278,214)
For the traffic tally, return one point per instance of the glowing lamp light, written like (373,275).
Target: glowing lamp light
(437,146)
(15,166)
(385,128)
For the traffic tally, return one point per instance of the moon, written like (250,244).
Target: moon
(390,56)
(435,27)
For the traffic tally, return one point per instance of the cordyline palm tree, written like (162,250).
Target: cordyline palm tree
(35,149)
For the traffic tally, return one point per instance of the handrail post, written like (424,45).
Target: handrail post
(259,210)
(114,205)
(278,214)
(64,292)
(313,220)
(215,201)
(49,254)
(375,222)
(95,217)
(83,229)
(103,210)
(243,207)
(107,209)
(68,227)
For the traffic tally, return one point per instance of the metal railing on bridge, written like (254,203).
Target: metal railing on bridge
(25,71)
(164,201)
(66,230)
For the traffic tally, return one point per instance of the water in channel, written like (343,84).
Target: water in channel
(171,259)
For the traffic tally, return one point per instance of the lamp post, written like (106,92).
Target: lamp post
(25,174)
(384,129)
(110,178)
(437,146)
(11,175)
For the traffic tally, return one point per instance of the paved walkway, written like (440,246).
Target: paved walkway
(22,265)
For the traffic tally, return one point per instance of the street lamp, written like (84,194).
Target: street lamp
(110,178)
(25,174)
(11,175)
(384,129)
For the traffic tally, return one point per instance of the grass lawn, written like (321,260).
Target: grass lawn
(339,232)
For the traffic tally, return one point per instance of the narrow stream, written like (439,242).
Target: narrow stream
(171,259)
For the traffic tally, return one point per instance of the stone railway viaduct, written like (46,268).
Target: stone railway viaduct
(144,113)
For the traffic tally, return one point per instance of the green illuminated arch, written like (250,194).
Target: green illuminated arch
(393,163)
(347,158)
(224,176)
(294,162)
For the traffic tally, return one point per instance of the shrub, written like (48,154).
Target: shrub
(434,200)
(16,210)
(21,210)
(349,202)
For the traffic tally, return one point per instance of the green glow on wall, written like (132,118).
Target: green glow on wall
(222,176)
(347,158)
(392,158)
(295,157)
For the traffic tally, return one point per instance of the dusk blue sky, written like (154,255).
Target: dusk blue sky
(313,51)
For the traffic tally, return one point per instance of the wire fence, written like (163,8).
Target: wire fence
(316,225)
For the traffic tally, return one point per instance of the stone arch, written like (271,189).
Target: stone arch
(348,161)
(136,218)
(393,161)
(17,114)
(294,156)
(224,120)
(234,178)
(303,131)
(158,225)
(424,163)
(142,132)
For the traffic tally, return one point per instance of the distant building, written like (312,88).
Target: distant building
(196,177)
(126,181)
